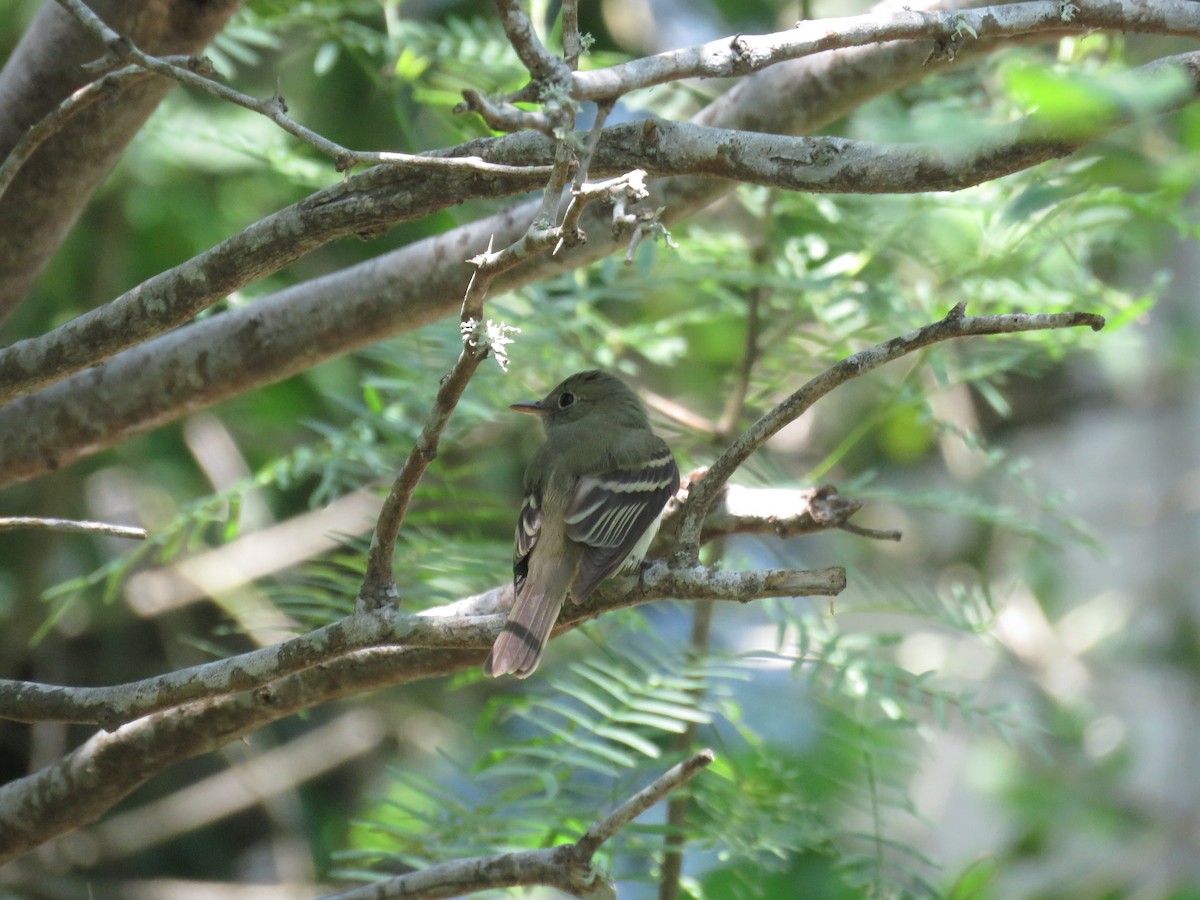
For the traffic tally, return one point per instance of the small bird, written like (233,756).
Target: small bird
(594,494)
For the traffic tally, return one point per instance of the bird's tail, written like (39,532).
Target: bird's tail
(519,647)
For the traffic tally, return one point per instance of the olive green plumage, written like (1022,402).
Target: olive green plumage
(594,493)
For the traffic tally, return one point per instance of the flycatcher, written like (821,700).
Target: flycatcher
(594,493)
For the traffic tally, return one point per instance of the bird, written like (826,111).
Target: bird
(594,494)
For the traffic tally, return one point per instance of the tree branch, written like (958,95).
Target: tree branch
(544,67)
(122,49)
(289,332)
(498,168)
(783,513)
(742,54)
(567,867)
(471,624)
(86,782)
(671,780)
(366,204)
(231,353)
(954,325)
(49,191)
(73,526)
(59,116)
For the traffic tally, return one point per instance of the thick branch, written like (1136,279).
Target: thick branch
(742,54)
(116,705)
(245,348)
(666,149)
(471,624)
(366,204)
(544,67)
(46,196)
(550,868)
(954,325)
(380,199)
(285,334)
(88,781)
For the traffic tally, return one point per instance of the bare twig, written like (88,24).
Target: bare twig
(603,109)
(671,780)
(503,116)
(379,586)
(736,401)
(567,867)
(22,523)
(877,534)
(954,325)
(571,233)
(782,512)
(631,186)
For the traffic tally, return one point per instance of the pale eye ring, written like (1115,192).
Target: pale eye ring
(565,399)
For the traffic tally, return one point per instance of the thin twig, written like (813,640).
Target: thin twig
(379,584)
(630,186)
(572,40)
(581,192)
(567,867)
(674,778)
(564,159)
(679,805)
(59,116)
(736,401)
(124,50)
(603,109)
(876,534)
(72,526)
(502,116)
(954,325)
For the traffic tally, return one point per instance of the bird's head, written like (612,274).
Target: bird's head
(587,394)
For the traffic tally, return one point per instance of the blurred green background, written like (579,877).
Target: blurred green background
(1003,704)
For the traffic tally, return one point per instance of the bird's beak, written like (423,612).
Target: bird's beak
(533,407)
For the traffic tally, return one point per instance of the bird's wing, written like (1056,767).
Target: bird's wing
(529,526)
(610,511)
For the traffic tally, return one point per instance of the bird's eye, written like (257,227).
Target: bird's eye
(565,399)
